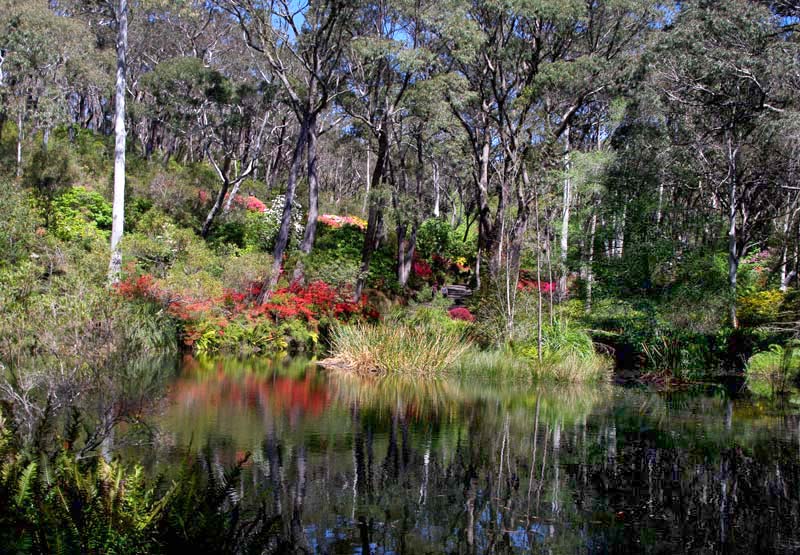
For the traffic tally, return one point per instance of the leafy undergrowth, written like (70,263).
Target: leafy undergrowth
(293,318)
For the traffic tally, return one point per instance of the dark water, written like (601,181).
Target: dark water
(478,467)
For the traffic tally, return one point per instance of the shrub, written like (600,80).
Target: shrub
(461,313)
(771,372)
(261,228)
(78,214)
(51,171)
(501,363)
(398,348)
(760,307)
(18,224)
(242,269)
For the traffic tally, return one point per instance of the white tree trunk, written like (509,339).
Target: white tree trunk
(20,136)
(590,261)
(118,209)
(436,194)
(562,281)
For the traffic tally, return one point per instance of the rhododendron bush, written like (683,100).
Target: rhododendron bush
(291,318)
(528,282)
(461,313)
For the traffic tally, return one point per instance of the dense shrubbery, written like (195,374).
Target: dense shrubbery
(292,319)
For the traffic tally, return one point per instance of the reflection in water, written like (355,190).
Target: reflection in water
(444,467)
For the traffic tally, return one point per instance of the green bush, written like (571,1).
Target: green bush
(772,371)
(261,228)
(760,307)
(18,223)
(436,236)
(50,171)
(241,269)
(79,214)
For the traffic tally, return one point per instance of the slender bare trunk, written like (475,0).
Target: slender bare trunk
(733,246)
(590,258)
(310,234)
(539,341)
(20,137)
(118,207)
(286,219)
(436,194)
(567,201)
(375,218)
(368,179)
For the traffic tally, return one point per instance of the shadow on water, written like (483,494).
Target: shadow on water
(444,466)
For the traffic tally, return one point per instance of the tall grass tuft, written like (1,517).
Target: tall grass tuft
(422,349)
(572,368)
(494,363)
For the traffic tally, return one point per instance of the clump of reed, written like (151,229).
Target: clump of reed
(568,356)
(568,367)
(493,363)
(400,348)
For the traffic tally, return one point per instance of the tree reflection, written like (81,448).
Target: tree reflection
(449,467)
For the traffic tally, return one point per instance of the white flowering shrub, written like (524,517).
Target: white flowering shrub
(261,228)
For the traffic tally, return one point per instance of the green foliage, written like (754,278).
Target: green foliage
(760,307)
(18,223)
(493,363)
(772,371)
(261,228)
(568,355)
(336,257)
(71,504)
(437,236)
(433,316)
(79,214)
(241,269)
(51,171)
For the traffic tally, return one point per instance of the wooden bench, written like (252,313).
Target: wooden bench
(457,293)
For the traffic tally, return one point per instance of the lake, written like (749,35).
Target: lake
(467,466)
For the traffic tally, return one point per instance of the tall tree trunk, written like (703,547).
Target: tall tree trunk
(539,338)
(310,234)
(368,179)
(375,219)
(118,207)
(436,192)
(20,136)
(223,190)
(485,243)
(590,257)
(733,243)
(567,201)
(286,219)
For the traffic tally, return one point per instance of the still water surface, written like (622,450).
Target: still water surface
(455,466)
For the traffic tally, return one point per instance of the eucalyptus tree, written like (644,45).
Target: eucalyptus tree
(387,57)
(42,54)
(299,46)
(228,118)
(720,71)
(525,72)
